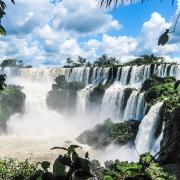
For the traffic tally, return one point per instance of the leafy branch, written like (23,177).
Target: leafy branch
(2,13)
(146,165)
(108,3)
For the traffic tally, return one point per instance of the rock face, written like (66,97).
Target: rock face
(108,132)
(172,129)
(12,101)
(63,95)
(62,100)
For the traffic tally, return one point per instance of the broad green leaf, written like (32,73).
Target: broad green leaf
(74,146)
(65,160)
(2,30)
(63,148)
(163,38)
(81,174)
(58,168)
(45,165)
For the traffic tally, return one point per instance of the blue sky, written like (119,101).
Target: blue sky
(45,33)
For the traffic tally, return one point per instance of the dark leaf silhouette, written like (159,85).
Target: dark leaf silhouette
(163,38)
(45,165)
(58,168)
(2,30)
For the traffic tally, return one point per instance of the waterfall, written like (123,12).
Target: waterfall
(122,75)
(43,74)
(112,104)
(115,105)
(135,107)
(138,75)
(157,144)
(83,99)
(145,137)
(80,74)
(99,75)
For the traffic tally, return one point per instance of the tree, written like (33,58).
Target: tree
(69,61)
(2,13)
(81,60)
(104,60)
(12,63)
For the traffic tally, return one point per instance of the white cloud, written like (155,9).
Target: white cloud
(82,17)
(44,33)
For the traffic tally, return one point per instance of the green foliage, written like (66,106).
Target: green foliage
(72,166)
(108,132)
(2,13)
(61,83)
(105,61)
(145,59)
(28,66)
(81,61)
(12,101)
(11,169)
(63,95)
(123,170)
(12,63)
(67,166)
(161,89)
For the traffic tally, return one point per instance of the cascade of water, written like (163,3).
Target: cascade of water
(99,75)
(123,72)
(43,74)
(175,71)
(157,144)
(113,102)
(145,136)
(141,107)
(10,72)
(83,99)
(80,74)
(135,106)
(138,75)
(133,76)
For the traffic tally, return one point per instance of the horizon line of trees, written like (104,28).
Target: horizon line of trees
(14,63)
(105,61)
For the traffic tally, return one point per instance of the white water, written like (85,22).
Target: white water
(145,137)
(83,99)
(33,133)
(112,105)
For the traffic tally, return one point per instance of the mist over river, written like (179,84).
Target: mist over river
(34,132)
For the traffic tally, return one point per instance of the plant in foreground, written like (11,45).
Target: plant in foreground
(66,167)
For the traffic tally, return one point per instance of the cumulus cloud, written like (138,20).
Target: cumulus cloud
(47,32)
(82,17)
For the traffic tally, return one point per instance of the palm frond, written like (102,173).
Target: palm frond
(108,3)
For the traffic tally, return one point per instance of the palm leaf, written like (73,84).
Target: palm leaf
(2,30)
(108,3)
